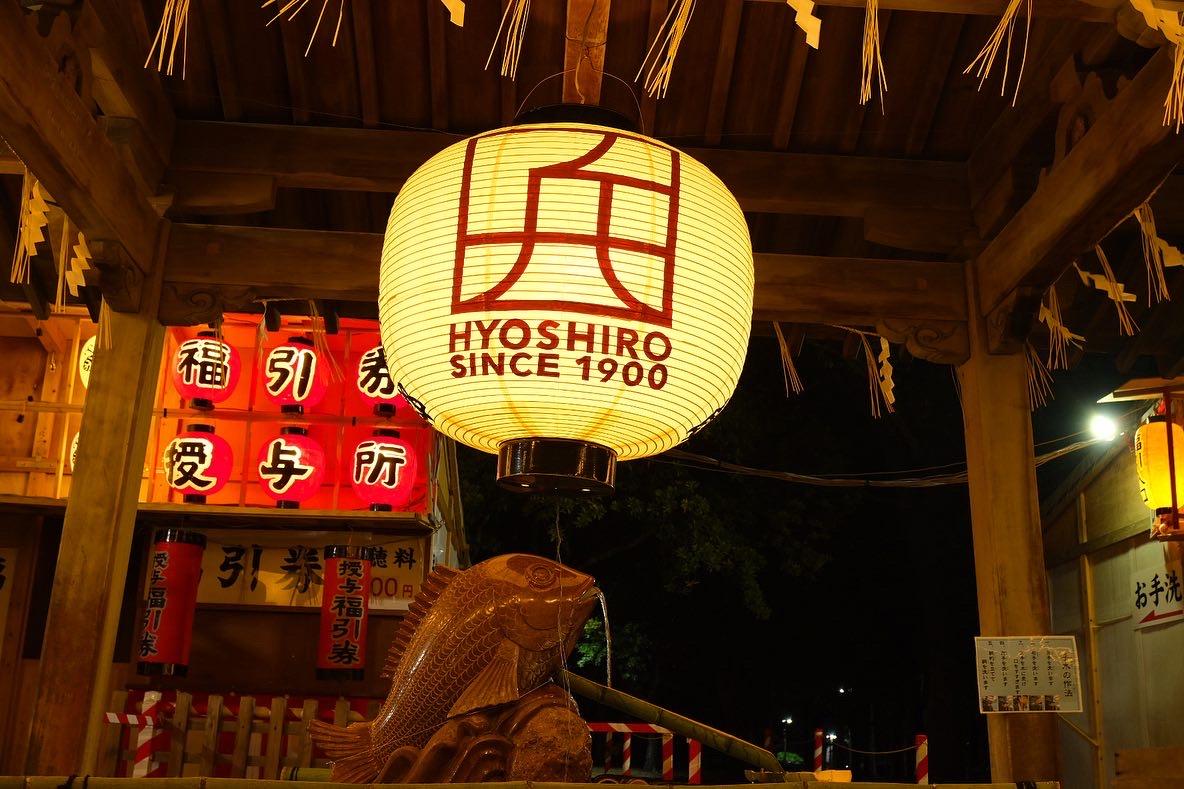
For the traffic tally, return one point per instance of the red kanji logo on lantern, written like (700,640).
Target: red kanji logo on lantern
(593,233)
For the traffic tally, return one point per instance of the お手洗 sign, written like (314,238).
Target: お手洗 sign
(1157,595)
(288,568)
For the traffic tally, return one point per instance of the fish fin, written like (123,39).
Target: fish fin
(433,586)
(496,684)
(349,750)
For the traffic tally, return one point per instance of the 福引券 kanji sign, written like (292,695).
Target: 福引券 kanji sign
(261,568)
(1037,674)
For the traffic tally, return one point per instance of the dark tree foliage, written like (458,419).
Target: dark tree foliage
(737,599)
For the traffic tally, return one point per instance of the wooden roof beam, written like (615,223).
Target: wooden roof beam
(374,160)
(583,54)
(1123,157)
(117,34)
(214,269)
(1083,10)
(53,132)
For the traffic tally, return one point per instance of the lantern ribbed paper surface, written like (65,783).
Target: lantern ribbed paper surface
(566,281)
(1154,463)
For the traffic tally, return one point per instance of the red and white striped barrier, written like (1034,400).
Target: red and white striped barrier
(694,761)
(149,739)
(817,750)
(922,743)
(127,719)
(627,730)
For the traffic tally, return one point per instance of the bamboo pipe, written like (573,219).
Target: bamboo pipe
(317,774)
(652,713)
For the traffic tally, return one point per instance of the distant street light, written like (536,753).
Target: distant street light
(831,736)
(787,720)
(842,690)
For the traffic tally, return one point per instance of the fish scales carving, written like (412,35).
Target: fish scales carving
(471,640)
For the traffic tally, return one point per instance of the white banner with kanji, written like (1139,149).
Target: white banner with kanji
(287,568)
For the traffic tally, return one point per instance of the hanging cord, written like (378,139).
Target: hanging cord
(609,74)
(679,457)
(847,747)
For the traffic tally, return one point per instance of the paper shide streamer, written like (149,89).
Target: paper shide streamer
(1158,255)
(1114,290)
(1060,337)
(32,224)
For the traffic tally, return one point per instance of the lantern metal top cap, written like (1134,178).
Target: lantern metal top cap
(576,113)
(556,465)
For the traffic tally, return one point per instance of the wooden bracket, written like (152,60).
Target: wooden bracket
(941,342)
(120,278)
(185,304)
(1010,324)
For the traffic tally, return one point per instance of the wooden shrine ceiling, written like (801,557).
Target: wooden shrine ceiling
(859,214)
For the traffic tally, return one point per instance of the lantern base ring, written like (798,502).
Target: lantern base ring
(556,465)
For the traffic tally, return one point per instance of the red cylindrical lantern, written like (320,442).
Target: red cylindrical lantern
(375,384)
(167,631)
(294,377)
(291,467)
(198,463)
(341,650)
(384,470)
(205,370)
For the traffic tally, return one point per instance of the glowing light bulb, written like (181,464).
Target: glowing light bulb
(1102,428)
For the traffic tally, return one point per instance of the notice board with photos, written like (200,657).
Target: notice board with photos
(1035,674)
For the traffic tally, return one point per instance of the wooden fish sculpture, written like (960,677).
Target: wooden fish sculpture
(472,639)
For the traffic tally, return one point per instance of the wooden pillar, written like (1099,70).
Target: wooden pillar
(1008,549)
(74,686)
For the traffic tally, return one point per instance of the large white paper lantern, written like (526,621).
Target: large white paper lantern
(566,295)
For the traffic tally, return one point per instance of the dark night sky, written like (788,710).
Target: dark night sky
(870,590)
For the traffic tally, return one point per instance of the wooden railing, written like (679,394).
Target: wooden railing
(219,740)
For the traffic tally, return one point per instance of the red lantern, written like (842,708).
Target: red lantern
(205,370)
(384,470)
(167,632)
(341,649)
(375,384)
(291,467)
(198,463)
(295,376)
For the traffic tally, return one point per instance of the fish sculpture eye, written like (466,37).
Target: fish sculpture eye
(540,576)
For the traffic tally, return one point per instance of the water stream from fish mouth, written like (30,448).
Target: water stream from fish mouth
(608,640)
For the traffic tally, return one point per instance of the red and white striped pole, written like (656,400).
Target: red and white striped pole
(627,755)
(148,738)
(817,750)
(922,759)
(694,762)
(668,758)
